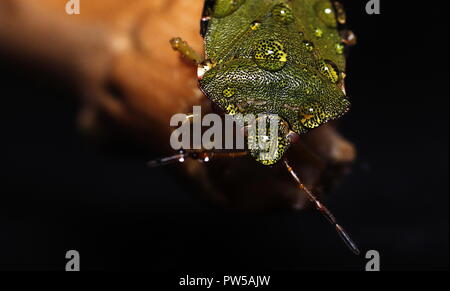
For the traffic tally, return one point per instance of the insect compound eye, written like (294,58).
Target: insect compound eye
(326,13)
(270,55)
(224,8)
(330,71)
(312,115)
(283,14)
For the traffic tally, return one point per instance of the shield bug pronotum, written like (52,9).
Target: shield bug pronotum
(279,57)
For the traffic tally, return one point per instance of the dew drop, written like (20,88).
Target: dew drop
(326,13)
(330,70)
(312,115)
(340,11)
(318,32)
(224,8)
(308,45)
(340,47)
(270,55)
(255,25)
(348,37)
(282,13)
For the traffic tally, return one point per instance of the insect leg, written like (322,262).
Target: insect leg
(324,210)
(186,50)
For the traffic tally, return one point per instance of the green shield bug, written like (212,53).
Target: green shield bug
(280,57)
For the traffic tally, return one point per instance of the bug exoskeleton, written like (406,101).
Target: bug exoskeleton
(282,59)
(287,56)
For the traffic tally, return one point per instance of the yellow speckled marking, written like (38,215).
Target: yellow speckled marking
(229,92)
(313,115)
(330,70)
(270,55)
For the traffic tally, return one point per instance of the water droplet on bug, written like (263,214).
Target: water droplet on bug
(340,47)
(345,103)
(318,32)
(312,115)
(330,70)
(326,13)
(340,11)
(255,25)
(270,55)
(348,37)
(229,92)
(308,45)
(282,13)
(224,8)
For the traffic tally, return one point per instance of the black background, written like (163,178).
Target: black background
(57,192)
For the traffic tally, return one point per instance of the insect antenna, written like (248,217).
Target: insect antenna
(178,158)
(203,156)
(324,210)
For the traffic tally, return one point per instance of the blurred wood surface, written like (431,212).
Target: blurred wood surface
(116,56)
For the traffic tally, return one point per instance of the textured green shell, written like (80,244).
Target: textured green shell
(276,56)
